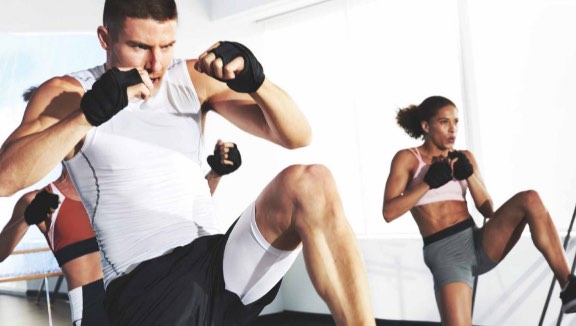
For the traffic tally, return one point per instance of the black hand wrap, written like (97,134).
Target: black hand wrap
(251,77)
(221,169)
(39,208)
(462,168)
(438,174)
(108,95)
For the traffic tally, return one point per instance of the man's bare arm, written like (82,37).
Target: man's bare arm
(53,125)
(269,112)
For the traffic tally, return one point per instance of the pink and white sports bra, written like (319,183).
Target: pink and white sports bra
(453,190)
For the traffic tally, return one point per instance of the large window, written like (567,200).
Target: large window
(525,76)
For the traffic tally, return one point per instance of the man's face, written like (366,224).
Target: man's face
(143,43)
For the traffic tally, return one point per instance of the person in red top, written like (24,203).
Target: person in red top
(57,211)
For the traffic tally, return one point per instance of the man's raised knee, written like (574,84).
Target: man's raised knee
(309,180)
(313,190)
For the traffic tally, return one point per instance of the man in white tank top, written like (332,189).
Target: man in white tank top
(130,133)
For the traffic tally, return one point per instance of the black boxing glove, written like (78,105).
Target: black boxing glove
(462,168)
(40,207)
(439,173)
(251,77)
(108,95)
(222,169)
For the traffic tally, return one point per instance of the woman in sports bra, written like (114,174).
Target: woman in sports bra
(57,211)
(431,181)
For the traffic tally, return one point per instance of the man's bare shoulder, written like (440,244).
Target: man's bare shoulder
(51,102)
(206,86)
(64,82)
(57,97)
(56,86)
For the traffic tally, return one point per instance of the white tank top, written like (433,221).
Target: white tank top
(140,174)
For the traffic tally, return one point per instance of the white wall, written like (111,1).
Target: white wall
(37,16)
(525,77)
(254,9)
(350,64)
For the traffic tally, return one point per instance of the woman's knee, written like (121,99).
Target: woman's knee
(530,200)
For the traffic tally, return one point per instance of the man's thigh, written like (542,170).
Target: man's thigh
(252,266)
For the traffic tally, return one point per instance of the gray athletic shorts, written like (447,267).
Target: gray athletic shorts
(456,254)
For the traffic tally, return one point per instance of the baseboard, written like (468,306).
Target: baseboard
(32,294)
(13,293)
(302,318)
(53,295)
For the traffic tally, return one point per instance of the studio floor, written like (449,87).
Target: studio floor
(24,311)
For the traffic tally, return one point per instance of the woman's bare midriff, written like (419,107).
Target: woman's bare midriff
(435,217)
(82,270)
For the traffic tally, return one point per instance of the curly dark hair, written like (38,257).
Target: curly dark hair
(409,118)
(27,95)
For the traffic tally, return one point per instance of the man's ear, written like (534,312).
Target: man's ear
(104,37)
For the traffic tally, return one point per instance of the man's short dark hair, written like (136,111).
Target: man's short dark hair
(116,11)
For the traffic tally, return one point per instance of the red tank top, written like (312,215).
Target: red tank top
(69,231)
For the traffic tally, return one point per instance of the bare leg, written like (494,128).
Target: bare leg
(503,231)
(302,205)
(455,304)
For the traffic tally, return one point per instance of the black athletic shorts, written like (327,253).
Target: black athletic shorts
(183,287)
